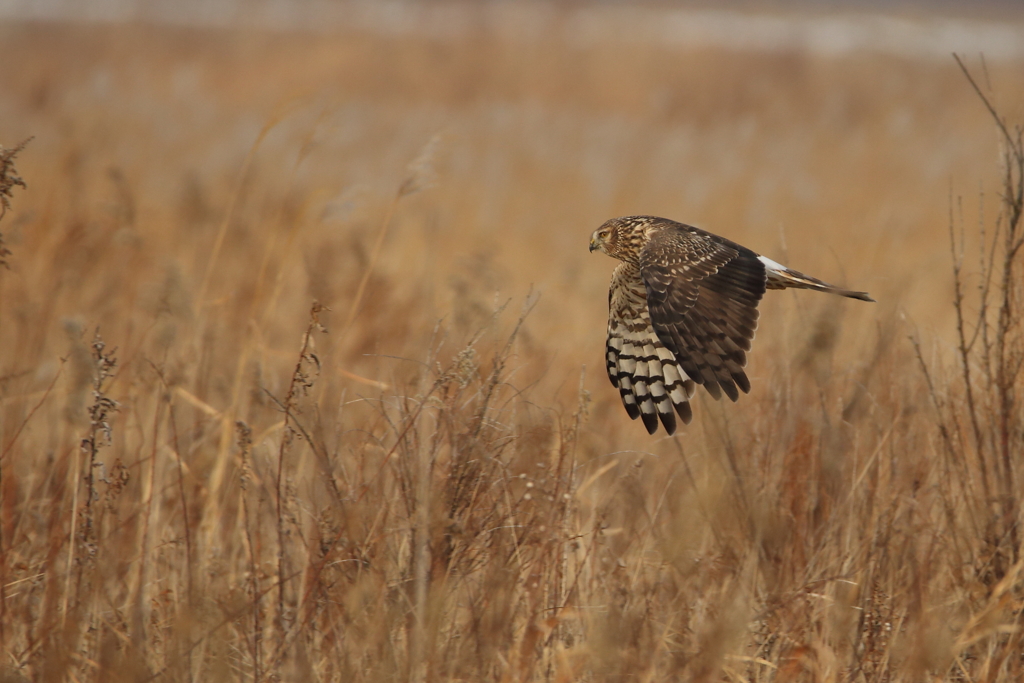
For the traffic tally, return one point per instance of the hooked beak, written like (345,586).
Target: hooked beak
(593,244)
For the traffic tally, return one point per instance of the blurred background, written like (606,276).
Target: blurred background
(829,136)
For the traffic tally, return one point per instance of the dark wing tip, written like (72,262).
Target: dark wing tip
(712,388)
(650,421)
(669,420)
(685,412)
(729,387)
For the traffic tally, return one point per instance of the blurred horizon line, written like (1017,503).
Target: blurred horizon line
(828,31)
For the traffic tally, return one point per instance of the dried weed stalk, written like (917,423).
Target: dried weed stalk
(254,593)
(100,434)
(9,179)
(307,369)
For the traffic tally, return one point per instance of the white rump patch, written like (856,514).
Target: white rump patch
(772,265)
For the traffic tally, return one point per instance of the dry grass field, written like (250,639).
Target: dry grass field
(301,364)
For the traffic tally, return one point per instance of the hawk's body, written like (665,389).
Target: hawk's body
(682,311)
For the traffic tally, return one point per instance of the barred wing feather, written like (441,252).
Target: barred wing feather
(644,370)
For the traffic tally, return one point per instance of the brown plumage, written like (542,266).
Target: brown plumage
(683,311)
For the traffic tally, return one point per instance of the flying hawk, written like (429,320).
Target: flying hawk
(682,311)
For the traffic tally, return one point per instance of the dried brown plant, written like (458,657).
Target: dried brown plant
(9,179)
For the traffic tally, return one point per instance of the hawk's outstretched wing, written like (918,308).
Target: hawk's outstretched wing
(702,293)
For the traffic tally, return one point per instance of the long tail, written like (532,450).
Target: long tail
(781,277)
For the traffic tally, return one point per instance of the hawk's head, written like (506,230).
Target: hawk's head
(622,238)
